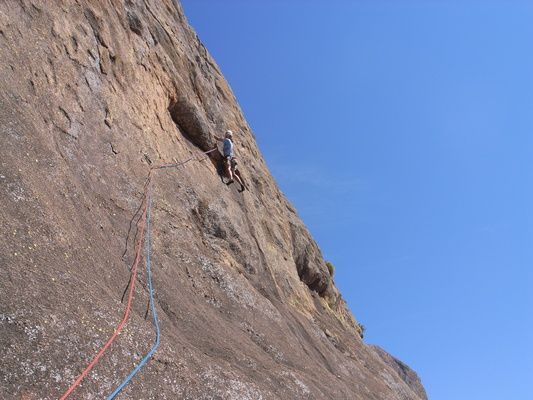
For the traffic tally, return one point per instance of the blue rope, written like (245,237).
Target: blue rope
(184,161)
(154,314)
(148,265)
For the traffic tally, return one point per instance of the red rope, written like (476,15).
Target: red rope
(133,275)
(132,284)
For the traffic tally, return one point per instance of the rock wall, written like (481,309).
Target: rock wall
(94,94)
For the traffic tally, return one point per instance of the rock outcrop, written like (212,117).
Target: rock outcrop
(93,94)
(405,373)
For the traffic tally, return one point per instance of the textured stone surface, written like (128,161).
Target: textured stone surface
(405,373)
(94,93)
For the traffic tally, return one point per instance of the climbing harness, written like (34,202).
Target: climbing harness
(145,225)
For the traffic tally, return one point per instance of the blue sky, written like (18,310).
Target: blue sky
(403,133)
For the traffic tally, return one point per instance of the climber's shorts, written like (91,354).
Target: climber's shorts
(231,161)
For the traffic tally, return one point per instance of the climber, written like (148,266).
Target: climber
(230,162)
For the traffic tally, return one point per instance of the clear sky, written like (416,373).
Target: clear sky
(403,133)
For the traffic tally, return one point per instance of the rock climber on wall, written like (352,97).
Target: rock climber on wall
(230,161)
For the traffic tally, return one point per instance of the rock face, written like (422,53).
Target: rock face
(94,94)
(405,373)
